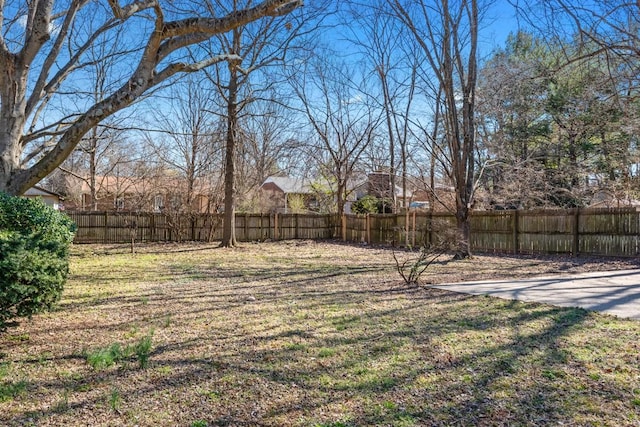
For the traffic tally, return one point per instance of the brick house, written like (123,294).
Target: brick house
(155,194)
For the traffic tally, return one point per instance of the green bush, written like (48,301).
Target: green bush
(34,256)
(372,205)
(367,204)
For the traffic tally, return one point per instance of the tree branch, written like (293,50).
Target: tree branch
(166,39)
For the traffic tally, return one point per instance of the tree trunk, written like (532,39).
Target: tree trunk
(340,196)
(92,171)
(12,122)
(392,143)
(229,222)
(463,224)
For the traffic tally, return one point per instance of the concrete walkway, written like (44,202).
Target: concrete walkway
(613,292)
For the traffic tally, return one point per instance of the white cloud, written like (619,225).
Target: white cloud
(54,28)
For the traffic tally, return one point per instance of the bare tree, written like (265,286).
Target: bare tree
(102,148)
(269,147)
(255,49)
(44,44)
(343,121)
(447,33)
(393,60)
(600,25)
(189,147)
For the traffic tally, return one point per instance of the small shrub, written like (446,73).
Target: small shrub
(199,423)
(105,357)
(296,203)
(412,267)
(372,205)
(114,399)
(367,204)
(143,351)
(34,257)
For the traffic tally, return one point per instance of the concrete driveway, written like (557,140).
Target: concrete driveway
(613,292)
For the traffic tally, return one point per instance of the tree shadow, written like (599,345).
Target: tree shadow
(320,345)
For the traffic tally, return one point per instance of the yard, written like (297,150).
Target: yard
(303,333)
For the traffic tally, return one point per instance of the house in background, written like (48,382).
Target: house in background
(378,185)
(287,195)
(165,193)
(283,194)
(417,195)
(48,197)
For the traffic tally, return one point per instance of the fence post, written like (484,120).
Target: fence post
(261,232)
(246,227)
(576,233)
(343,218)
(106,226)
(296,218)
(368,225)
(516,243)
(407,229)
(429,233)
(152,227)
(275,227)
(413,233)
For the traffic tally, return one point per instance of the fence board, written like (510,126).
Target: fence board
(611,232)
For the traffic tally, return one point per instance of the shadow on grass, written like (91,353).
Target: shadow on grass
(319,346)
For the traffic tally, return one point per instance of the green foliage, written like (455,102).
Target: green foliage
(335,424)
(367,204)
(114,399)
(11,390)
(296,203)
(106,357)
(34,256)
(326,352)
(143,351)
(371,204)
(199,423)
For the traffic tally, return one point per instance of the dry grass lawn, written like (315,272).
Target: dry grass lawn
(311,334)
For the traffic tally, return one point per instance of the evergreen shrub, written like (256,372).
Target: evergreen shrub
(34,257)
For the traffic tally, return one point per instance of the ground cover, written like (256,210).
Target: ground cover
(301,333)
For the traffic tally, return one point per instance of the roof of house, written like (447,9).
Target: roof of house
(142,185)
(290,185)
(36,190)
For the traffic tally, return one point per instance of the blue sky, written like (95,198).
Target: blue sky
(501,21)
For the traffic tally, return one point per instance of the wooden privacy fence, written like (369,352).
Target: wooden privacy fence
(612,232)
(121,227)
